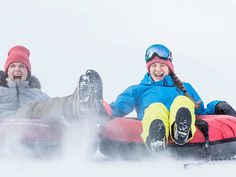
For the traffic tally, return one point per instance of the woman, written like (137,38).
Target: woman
(165,105)
(21,97)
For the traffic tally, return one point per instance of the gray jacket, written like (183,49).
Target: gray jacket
(17,94)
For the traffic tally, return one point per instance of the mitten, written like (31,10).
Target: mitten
(225,108)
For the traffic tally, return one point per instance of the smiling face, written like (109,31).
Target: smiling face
(158,71)
(17,72)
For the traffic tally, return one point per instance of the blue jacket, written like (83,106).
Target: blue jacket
(140,96)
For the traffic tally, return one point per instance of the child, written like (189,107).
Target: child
(165,105)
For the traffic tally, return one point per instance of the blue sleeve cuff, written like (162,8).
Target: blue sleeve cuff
(211,107)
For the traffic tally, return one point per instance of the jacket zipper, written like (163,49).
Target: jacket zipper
(17,97)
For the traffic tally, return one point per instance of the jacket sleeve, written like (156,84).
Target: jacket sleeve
(125,103)
(211,107)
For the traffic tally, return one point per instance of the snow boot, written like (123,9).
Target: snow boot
(182,126)
(156,140)
(96,93)
(90,93)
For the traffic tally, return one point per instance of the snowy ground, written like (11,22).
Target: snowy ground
(102,167)
(73,161)
(66,37)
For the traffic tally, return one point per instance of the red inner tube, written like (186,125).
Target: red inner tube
(124,129)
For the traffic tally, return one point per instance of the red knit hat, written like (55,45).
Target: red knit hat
(18,54)
(158,60)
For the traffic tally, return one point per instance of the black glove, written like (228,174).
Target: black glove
(1,74)
(3,81)
(225,108)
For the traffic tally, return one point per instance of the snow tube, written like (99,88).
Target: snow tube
(120,137)
(41,136)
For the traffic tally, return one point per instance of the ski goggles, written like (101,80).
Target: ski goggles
(158,50)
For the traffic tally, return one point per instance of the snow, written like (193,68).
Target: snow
(67,37)
(74,166)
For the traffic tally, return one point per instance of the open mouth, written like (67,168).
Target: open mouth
(17,77)
(159,75)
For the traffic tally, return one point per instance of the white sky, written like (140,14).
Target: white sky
(66,37)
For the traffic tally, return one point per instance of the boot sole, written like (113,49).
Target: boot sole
(156,138)
(183,122)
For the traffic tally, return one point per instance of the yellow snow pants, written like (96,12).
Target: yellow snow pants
(159,111)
